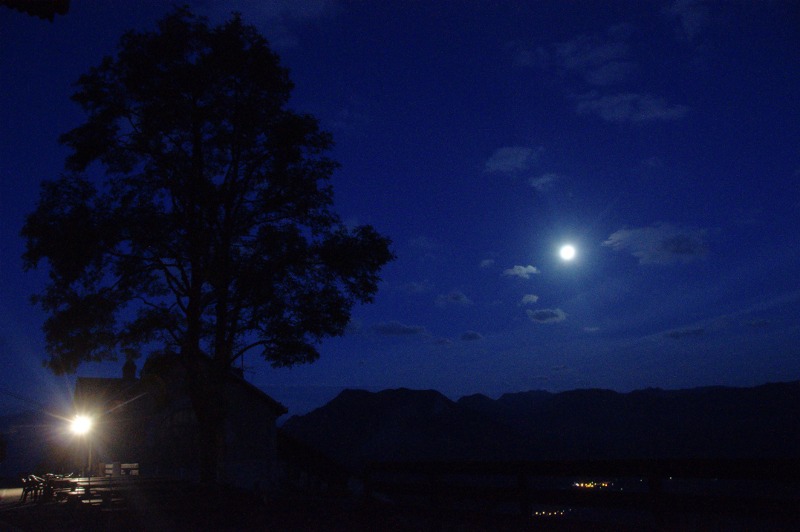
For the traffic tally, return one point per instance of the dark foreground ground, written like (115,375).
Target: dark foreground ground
(178,507)
(202,508)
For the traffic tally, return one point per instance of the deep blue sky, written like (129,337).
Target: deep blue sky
(662,139)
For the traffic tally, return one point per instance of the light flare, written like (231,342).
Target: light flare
(81,424)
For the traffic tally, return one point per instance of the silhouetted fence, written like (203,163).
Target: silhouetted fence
(755,487)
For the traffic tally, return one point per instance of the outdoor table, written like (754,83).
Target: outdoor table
(53,485)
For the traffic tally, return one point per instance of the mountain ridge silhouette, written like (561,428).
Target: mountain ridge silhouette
(357,427)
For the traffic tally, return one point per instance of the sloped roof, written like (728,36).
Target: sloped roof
(258,394)
(105,393)
(92,393)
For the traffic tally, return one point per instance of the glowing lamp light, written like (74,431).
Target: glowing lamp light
(81,425)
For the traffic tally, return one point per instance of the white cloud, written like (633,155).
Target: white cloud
(630,107)
(547,315)
(529,299)
(591,329)
(523,272)
(512,159)
(486,263)
(660,243)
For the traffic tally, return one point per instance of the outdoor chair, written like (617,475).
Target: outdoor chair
(31,485)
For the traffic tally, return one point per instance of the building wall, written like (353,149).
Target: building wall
(250,440)
(159,431)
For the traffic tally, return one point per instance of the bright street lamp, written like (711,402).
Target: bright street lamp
(81,425)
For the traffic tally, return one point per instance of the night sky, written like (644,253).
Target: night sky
(660,139)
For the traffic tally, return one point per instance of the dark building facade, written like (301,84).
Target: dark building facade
(149,421)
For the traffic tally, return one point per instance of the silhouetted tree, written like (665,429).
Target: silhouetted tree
(44,9)
(212,233)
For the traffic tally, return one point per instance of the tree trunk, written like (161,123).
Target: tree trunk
(209,406)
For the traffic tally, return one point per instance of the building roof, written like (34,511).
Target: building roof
(98,393)
(258,394)
(92,393)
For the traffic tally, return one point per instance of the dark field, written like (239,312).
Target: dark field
(180,506)
(199,508)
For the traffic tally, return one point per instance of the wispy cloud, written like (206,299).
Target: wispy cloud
(599,60)
(418,287)
(547,315)
(529,299)
(685,333)
(455,297)
(353,117)
(692,16)
(512,160)
(544,182)
(603,62)
(276,18)
(261,10)
(532,57)
(395,328)
(486,264)
(660,243)
(630,107)
(523,272)
(424,243)
(471,336)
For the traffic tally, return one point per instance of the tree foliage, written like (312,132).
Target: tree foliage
(195,216)
(216,213)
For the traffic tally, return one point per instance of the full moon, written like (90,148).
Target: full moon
(567,252)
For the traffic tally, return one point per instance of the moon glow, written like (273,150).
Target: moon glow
(567,252)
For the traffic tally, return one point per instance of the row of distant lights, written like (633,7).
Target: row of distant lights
(550,513)
(591,485)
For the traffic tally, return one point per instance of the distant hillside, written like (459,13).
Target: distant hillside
(402,424)
(358,426)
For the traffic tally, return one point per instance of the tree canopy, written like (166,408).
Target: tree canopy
(195,216)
